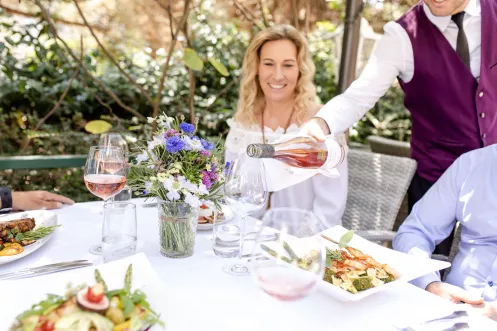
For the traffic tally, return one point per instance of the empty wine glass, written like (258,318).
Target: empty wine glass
(288,257)
(104,175)
(245,190)
(112,139)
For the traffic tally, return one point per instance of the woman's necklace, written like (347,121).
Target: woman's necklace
(285,128)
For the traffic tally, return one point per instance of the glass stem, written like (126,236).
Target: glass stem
(242,237)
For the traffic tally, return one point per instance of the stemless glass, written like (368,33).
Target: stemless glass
(104,175)
(245,190)
(118,230)
(110,139)
(288,257)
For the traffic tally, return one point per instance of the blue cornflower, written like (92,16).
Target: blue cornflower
(227,168)
(187,127)
(174,144)
(207,145)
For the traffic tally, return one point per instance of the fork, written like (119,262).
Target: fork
(454,315)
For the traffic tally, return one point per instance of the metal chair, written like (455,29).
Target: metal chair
(377,185)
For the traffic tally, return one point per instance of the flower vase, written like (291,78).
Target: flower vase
(177,228)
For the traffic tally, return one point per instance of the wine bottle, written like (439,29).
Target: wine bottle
(302,152)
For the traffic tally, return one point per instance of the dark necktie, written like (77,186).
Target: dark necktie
(462,48)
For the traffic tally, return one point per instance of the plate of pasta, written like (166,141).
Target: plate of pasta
(363,268)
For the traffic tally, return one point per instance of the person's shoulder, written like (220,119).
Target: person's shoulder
(480,157)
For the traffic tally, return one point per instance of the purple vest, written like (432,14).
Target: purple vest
(451,112)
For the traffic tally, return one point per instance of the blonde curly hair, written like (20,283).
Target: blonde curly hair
(251,100)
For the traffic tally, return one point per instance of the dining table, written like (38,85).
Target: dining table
(215,300)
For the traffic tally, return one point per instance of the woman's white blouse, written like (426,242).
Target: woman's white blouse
(325,196)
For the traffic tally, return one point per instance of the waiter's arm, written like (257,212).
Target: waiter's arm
(391,58)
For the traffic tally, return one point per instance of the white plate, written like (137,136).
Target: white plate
(228,214)
(30,292)
(42,218)
(408,266)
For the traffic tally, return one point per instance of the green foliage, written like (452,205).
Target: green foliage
(31,87)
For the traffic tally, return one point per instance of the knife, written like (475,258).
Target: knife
(45,269)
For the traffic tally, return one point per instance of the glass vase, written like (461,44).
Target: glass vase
(177,228)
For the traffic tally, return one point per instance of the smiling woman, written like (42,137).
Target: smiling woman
(277,96)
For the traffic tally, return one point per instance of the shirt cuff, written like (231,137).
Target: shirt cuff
(422,282)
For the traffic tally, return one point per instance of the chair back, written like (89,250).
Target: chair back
(377,185)
(396,148)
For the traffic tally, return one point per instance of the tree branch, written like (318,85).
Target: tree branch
(307,18)
(245,12)
(166,65)
(295,14)
(191,79)
(56,19)
(264,18)
(53,29)
(57,105)
(221,93)
(111,58)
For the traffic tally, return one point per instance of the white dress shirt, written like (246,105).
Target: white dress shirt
(325,196)
(394,58)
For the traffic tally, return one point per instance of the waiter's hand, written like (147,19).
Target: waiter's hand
(316,128)
(453,293)
(32,200)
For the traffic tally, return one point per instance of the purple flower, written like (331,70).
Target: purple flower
(205,153)
(206,179)
(170,133)
(145,192)
(174,144)
(207,144)
(187,127)
(213,177)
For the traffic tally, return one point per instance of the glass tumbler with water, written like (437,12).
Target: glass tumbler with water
(119,233)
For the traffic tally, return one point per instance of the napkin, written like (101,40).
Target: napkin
(280,175)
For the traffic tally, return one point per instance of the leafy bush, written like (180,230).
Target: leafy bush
(30,88)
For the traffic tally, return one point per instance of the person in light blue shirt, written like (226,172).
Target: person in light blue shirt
(466,193)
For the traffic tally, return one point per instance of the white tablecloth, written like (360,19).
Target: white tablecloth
(218,301)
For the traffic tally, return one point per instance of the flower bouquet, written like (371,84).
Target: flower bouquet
(182,171)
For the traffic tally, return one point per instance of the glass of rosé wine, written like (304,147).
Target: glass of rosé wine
(105,175)
(288,258)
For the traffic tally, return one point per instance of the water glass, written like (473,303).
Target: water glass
(119,230)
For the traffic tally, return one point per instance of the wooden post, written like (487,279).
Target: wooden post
(350,45)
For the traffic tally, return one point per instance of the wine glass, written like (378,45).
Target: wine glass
(110,139)
(105,175)
(288,258)
(245,190)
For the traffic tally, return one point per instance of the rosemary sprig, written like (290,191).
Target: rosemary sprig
(334,254)
(36,234)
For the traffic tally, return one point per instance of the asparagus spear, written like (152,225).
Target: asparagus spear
(127,278)
(273,253)
(290,251)
(99,279)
